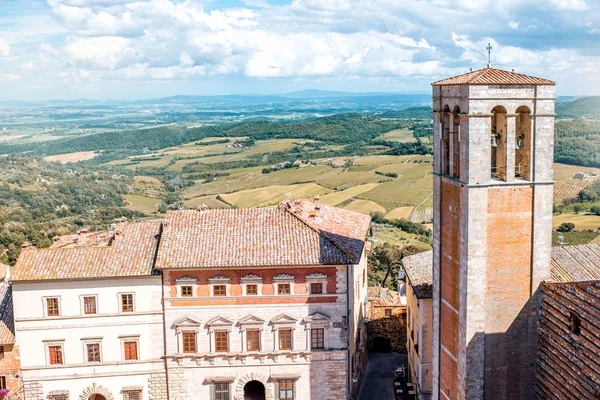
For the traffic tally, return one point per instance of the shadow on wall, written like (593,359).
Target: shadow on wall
(509,358)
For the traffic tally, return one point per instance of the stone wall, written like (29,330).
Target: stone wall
(33,391)
(157,386)
(568,365)
(393,328)
(10,367)
(178,384)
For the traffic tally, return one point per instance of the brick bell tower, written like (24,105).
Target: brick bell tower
(493,154)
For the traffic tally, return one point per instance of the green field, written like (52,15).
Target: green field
(142,203)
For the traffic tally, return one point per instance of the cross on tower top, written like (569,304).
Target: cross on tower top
(489,49)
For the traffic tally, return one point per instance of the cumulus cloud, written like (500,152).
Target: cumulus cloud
(4,48)
(388,41)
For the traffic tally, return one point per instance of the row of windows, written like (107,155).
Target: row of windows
(285,390)
(252,289)
(253,340)
(93,352)
(89,305)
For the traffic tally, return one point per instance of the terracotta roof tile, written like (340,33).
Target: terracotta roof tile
(576,263)
(286,235)
(419,272)
(7,322)
(384,297)
(493,76)
(131,253)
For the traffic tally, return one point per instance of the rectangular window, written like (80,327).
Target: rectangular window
(286,389)
(1,352)
(55,355)
(316,338)
(127,302)
(93,352)
(316,288)
(186,291)
(253,340)
(189,342)
(219,290)
(222,341)
(3,383)
(131,350)
(251,290)
(58,397)
(283,288)
(285,339)
(221,390)
(132,395)
(89,305)
(388,312)
(52,307)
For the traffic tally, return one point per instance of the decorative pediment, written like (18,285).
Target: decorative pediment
(317,317)
(284,277)
(219,321)
(251,277)
(316,275)
(187,321)
(219,278)
(186,278)
(251,320)
(284,319)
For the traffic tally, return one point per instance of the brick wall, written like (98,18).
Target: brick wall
(568,363)
(392,328)
(10,367)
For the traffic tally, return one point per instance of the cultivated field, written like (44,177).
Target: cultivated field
(72,157)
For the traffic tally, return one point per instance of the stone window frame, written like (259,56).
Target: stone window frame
(51,343)
(186,280)
(82,303)
(186,324)
(218,280)
(251,323)
(58,395)
(92,340)
(213,389)
(316,277)
(317,320)
(130,338)
(283,278)
(280,322)
(251,279)
(133,302)
(45,306)
(220,324)
(277,388)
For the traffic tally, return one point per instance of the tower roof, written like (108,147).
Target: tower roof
(493,76)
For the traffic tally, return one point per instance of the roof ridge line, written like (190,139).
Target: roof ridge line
(346,252)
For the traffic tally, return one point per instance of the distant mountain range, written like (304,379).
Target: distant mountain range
(302,96)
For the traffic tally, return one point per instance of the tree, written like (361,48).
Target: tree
(566,227)
(595,210)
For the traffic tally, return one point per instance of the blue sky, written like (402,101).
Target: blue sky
(132,49)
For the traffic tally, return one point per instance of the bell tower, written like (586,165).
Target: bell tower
(493,154)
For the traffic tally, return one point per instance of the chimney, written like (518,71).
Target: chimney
(203,207)
(316,199)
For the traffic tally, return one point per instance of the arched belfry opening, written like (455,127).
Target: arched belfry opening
(498,143)
(254,390)
(445,140)
(455,143)
(523,143)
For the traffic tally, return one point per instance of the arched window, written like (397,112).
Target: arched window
(455,140)
(498,143)
(523,143)
(446,140)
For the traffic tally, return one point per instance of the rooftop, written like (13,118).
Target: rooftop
(130,253)
(384,297)
(294,233)
(576,263)
(493,76)
(7,323)
(419,272)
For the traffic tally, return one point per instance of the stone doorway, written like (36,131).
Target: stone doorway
(254,390)
(381,345)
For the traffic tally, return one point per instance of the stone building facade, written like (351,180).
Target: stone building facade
(89,319)
(418,282)
(272,309)
(10,360)
(493,154)
(206,304)
(386,320)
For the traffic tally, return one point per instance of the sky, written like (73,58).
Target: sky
(137,49)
